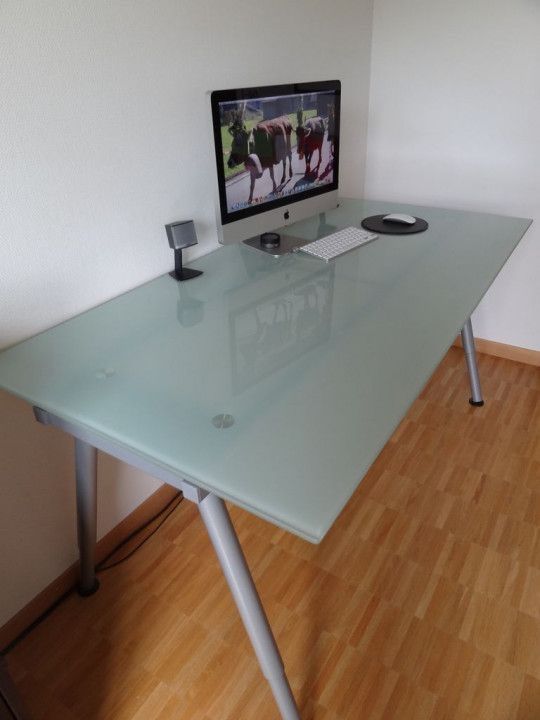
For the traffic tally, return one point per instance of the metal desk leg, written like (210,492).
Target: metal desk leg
(86,481)
(234,566)
(467,338)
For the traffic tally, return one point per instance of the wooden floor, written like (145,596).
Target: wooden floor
(423,602)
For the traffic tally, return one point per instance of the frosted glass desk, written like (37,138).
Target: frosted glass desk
(270,382)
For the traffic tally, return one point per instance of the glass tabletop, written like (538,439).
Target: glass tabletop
(273,382)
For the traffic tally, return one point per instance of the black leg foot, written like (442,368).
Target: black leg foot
(83,592)
(476,403)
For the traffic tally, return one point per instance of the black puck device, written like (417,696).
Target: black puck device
(270,239)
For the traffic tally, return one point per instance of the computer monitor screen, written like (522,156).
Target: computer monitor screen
(276,147)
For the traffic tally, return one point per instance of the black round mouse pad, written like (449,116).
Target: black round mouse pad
(375,223)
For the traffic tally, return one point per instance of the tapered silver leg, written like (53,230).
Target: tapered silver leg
(467,338)
(86,480)
(234,566)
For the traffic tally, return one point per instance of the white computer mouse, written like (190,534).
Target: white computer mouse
(400,218)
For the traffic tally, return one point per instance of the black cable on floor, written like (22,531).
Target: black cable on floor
(101,567)
(176,500)
(44,615)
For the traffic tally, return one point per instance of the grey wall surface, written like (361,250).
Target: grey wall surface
(454,107)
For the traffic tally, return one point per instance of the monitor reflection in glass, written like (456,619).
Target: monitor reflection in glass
(272,332)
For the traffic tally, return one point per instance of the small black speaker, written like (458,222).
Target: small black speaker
(181,235)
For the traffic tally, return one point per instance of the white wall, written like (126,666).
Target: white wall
(104,139)
(454,108)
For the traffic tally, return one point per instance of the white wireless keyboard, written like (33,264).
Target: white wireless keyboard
(338,243)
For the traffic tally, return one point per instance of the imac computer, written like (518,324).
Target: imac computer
(277,157)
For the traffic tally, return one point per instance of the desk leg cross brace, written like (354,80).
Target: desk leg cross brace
(467,339)
(234,566)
